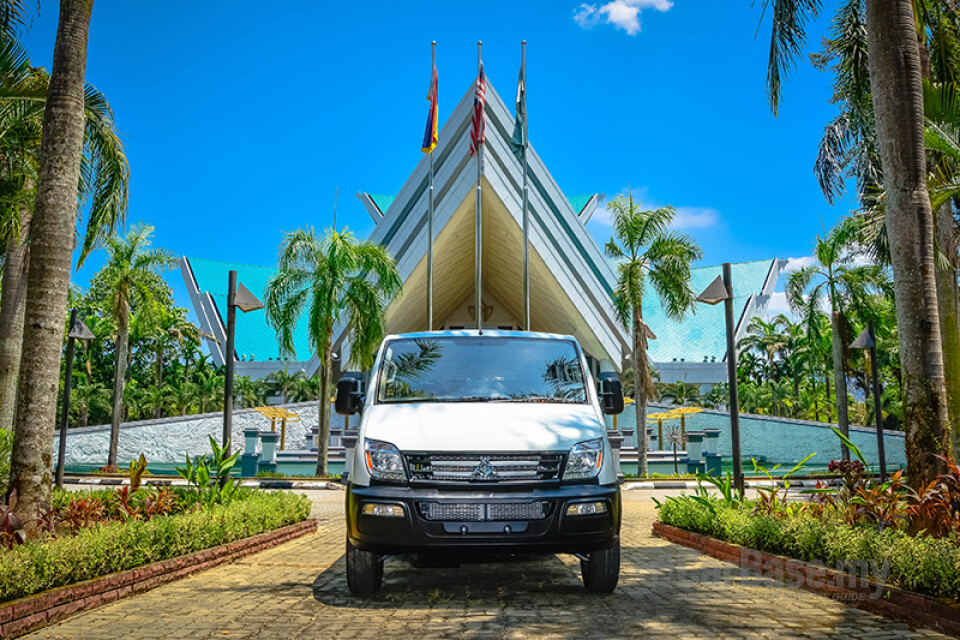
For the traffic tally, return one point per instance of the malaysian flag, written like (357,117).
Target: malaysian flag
(479,100)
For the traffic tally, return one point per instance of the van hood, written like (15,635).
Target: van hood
(482,426)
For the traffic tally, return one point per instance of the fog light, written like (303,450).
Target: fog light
(586,508)
(383,510)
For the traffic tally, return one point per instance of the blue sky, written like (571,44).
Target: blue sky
(241,120)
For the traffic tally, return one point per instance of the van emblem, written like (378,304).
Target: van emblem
(485,470)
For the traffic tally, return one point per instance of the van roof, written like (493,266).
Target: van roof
(485,333)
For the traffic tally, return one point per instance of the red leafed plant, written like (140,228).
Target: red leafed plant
(84,512)
(122,502)
(158,503)
(12,532)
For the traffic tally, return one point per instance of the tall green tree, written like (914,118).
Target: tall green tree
(103,191)
(647,251)
(837,283)
(896,70)
(334,279)
(126,278)
(51,249)
(765,337)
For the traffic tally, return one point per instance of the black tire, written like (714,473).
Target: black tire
(601,570)
(364,571)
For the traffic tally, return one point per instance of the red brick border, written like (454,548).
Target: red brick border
(856,591)
(28,614)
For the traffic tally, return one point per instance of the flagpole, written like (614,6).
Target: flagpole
(526,215)
(478,246)
(433,68)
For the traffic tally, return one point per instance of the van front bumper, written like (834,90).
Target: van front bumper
(485,520)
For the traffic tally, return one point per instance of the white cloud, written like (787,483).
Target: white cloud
(777,305)
(623,14)
(687,217)
(795,264)
(695,218)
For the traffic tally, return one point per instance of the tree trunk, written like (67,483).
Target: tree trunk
(826,377)
(51,247)
(895,74)
(640,392)
(949,320)
(84,413)
(13,298)
(323,437)
(119,379)
(840,381)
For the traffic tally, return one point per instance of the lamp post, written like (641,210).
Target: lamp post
(721,290)
(78,331)
(868,340)
(238,297)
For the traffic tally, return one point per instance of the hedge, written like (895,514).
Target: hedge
(922,564)
(41,565)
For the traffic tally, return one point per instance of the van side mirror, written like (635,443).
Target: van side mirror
(349,400)
(611,394)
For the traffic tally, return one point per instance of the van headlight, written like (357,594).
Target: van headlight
(383,460)
(584,460)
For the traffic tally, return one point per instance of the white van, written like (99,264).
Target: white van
(481,443)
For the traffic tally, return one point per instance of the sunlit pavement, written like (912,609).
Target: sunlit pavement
(298,590)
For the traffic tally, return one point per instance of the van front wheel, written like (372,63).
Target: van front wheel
(364,571)
(601,570)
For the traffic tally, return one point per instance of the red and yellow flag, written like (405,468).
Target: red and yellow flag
(431,134)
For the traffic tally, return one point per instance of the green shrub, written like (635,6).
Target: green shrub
(919,563)
(41,565)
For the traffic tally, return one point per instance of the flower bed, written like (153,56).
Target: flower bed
(918,563)
(893,533)
(101,549)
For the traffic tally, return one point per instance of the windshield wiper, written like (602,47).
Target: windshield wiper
(478,399)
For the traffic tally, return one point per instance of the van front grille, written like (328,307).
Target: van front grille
(477,467)
(478,512)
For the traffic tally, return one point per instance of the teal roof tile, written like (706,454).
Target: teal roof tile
(255,337)
(382,201)
(579,202)
(704,333)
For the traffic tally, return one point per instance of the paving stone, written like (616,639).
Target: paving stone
(298,590)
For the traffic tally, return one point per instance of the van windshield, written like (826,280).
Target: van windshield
(480,369)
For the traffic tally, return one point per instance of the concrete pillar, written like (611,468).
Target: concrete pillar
(711,441)
(250,460)
(694,446)
(268,455)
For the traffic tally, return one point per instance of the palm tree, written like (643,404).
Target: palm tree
(104,185)
(85,395)
(251,393)
(680,392)
(766,338)
(648,251)
(126,276)
(896,69)
(180,395)
(305,388)
(282,382)
(334,279)
(51,245)
(835,280)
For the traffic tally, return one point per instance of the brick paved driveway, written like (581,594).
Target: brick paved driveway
(298,590)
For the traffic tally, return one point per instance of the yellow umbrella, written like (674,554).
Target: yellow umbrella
(659,418)
(683,412)
(275,413)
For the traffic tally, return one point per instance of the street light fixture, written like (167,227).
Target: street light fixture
(78,331)
(238,297)
(721,290)
(867,340)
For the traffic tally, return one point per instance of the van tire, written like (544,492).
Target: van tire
(364,571)
(601,570)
